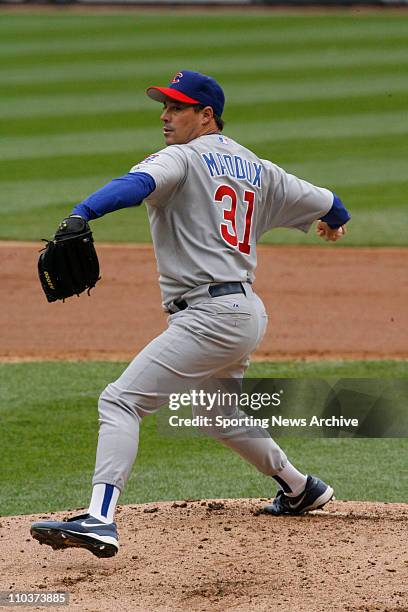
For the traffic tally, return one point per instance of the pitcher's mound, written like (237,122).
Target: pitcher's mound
(223,555)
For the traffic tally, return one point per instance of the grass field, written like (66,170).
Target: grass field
(324,96)
(48,441)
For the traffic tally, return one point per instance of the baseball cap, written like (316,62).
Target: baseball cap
(191,88)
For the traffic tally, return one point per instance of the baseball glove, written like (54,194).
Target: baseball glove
(69,265)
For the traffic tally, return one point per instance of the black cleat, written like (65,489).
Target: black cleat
(82,531)
(316,494)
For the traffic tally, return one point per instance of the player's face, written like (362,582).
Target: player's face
(181,122)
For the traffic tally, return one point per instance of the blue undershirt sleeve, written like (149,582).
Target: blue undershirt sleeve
(338,215)
(122,192)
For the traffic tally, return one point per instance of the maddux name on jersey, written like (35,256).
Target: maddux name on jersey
(232,165)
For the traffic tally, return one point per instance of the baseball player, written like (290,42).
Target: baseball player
(209,200)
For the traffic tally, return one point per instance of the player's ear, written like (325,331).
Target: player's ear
(207,115)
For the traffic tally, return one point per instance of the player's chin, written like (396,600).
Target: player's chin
(169,137)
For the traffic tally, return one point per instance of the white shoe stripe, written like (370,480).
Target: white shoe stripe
(294,506)
(95,536)
(323,499)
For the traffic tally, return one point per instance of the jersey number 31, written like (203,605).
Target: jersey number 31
(229,229)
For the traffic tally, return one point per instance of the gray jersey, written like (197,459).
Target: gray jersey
(213,201)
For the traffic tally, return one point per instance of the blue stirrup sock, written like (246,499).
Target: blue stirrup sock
(103,502)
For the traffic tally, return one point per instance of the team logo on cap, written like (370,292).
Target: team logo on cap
(177,77)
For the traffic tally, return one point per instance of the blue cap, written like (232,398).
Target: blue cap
(191,88)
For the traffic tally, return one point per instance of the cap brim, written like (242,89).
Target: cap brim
(161,94)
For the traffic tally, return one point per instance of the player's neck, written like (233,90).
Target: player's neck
(209,132)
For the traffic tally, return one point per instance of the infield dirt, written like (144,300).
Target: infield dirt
(323,303)
(202,555)
(222,555)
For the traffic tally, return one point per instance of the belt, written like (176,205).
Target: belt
(215,291)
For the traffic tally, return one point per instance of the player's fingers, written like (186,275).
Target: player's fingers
(336,234)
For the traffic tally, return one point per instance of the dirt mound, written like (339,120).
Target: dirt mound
(323,303)
(223,555)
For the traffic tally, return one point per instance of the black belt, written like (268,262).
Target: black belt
(215,291)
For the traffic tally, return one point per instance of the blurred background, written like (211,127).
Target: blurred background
(322,93)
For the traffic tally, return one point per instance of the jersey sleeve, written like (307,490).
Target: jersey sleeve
(168,168)
(122,192)
(293,202)
(338,215)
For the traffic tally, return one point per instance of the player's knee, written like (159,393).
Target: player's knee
(113,400)
(108,395)
(106,405)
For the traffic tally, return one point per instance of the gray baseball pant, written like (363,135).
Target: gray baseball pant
(212,338)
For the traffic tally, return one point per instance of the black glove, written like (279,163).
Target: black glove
(69,264)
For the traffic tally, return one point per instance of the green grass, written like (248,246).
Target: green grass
(48,434)
(324,96)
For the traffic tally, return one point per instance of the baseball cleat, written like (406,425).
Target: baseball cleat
(316,494)
(83,531)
